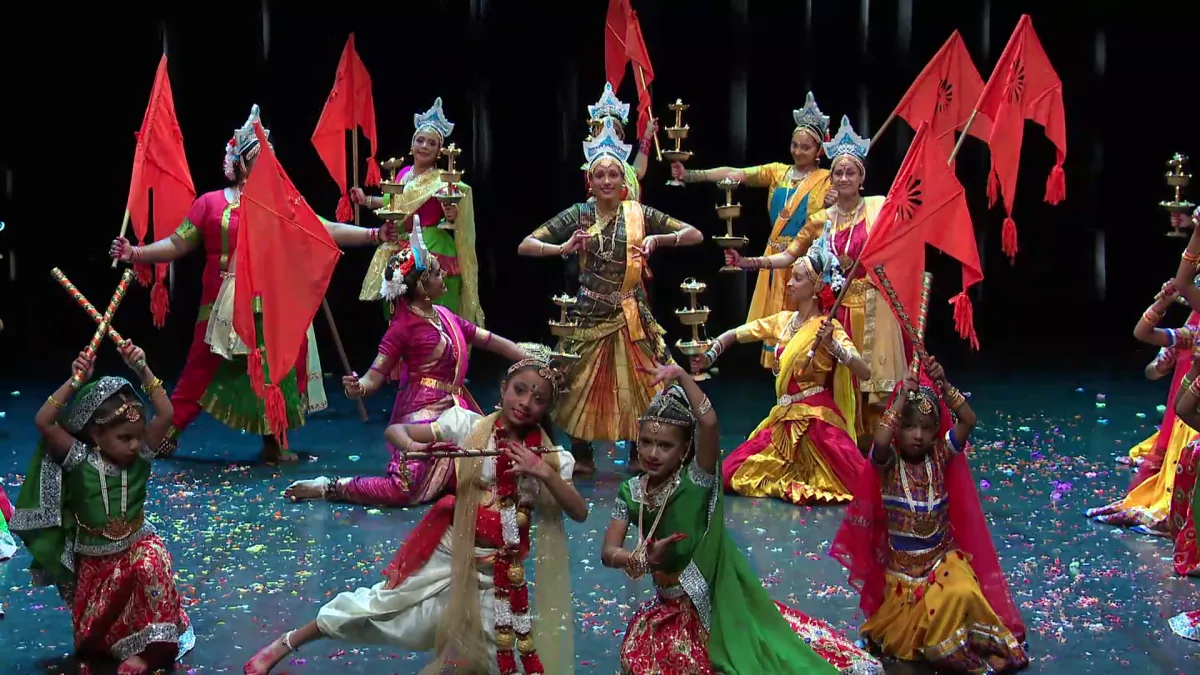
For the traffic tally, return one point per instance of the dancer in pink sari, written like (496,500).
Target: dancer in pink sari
(426,349)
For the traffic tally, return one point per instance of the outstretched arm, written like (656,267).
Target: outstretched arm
(345,234)
(497,344)
(1146,329)
(162,251)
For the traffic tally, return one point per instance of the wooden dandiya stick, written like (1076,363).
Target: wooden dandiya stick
(460,453)
(87,306)
(922,314)
(102,330)
(917,340)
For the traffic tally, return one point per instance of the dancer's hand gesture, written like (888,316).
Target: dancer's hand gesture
(84,365)
(134,357)
(657,549)
(662,374)
(578,240)
(527,462)
(353,386)
(830,198)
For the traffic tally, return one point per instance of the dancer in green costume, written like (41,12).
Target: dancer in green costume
(711,613)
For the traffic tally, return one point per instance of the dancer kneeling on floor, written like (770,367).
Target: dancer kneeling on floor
(457,586)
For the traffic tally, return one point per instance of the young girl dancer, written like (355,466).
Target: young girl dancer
(917,546)
(711,614)
(457,586)
(81,515)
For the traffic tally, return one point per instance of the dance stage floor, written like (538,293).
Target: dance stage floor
(1096,599)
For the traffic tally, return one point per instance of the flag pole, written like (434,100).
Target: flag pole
(657,147)
(341,350)
(962,137)
(886,123)
(354,169)
(124,226)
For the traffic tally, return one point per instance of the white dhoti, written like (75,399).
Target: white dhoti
(409,615)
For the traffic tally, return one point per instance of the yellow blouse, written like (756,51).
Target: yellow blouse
(781,328)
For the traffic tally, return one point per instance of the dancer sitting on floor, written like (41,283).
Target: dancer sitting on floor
(1148,503)
(917,545)
(805,450)
(457,586)
(89,537)
(426,348)
(711,613)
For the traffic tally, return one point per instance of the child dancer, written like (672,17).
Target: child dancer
(457,586)
(81,515)
(711,613)
(917,546)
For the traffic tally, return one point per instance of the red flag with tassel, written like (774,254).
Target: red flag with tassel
(350,105)
(1023,86)
(159,164)
(285,259)
(635,48)
(925,205)
(615,56)
(943,93)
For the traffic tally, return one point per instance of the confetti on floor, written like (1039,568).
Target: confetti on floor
(253,565)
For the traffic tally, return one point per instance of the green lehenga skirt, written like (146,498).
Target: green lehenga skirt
(231,400)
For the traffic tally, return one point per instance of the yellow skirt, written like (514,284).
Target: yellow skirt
(1148,505)
(791,467)
(947,622)
(608,388)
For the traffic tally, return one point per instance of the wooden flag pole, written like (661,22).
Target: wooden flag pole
(354,169)
(341,350)
(124,226)
(962,137)
(886,123)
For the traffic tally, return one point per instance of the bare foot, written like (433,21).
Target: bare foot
(267,658)
(304,490)
(274,453)
(134,665)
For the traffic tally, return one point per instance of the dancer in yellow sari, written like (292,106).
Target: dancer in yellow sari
(795,192)
(864,311)
(618,339)
(804,451)
(609,107)
(1147,506)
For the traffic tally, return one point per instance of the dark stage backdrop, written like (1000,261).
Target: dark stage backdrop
(516,77)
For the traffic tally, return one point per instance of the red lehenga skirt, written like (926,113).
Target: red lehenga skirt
(1182,521)
(126,604)
(667,637)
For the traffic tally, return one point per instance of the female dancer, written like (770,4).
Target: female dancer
(430,344)
(215,378)
(865,315)
(795,192)
(917,546)
(711,614)
(452,241)
(458,583)
(804,451)
(1148,504)
(617,337)
(96,545)
(611,108)
(1147,457)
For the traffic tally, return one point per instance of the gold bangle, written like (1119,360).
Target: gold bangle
(55,402)
(890,419)
(1190,257)
(1185,383)
(149,388)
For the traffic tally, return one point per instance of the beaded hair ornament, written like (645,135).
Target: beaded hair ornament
(848,145)
(669,406)
(414,256)
(609,106)
(81,412)
(433,120)
(244,144)
(541,357)
(810,120)
(925,399)
(605,145)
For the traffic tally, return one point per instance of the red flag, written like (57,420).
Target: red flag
(615,58)
(349,106)
(925,205)
(1023,86)
(159,164)
(635,48)
(285,258)
(943,93)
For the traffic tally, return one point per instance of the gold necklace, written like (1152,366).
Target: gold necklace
(602,221)
(431,314)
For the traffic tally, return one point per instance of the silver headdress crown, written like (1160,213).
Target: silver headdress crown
(606,144)
(823,262)
(847,143)
(810,117)
(609,106)
(245,142)
(434,120)
(549,369)
(414,256)
(81,412)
